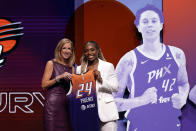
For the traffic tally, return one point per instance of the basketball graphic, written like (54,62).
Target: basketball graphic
(9,37)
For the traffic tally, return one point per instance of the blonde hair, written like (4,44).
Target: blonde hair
(84,60)
(57,52)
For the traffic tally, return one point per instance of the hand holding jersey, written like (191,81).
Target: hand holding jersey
(65,75)
(97,75)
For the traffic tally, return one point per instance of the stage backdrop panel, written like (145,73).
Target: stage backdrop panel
(21,96)
(180,30)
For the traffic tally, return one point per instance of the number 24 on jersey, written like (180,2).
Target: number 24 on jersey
(84,88)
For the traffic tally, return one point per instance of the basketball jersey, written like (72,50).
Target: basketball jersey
(162,74)
(83,103)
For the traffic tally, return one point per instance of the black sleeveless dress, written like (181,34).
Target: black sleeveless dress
(56,110)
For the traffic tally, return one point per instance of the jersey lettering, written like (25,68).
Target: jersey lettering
(166,84)
(159,73)
(88,87)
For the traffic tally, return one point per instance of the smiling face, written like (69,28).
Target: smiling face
(90,52)
(150,25)
(66,51)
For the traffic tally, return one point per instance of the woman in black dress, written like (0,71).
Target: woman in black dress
(56,80)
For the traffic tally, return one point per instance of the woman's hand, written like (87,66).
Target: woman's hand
(65,75)
(97,76)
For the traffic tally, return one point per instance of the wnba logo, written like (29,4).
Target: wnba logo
(83,107)
(9,37)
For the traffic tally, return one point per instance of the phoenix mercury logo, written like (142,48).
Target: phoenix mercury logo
(10,34)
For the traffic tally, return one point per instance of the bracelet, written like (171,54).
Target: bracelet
(57,80)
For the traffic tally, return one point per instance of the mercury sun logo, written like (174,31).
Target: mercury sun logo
(10,34)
